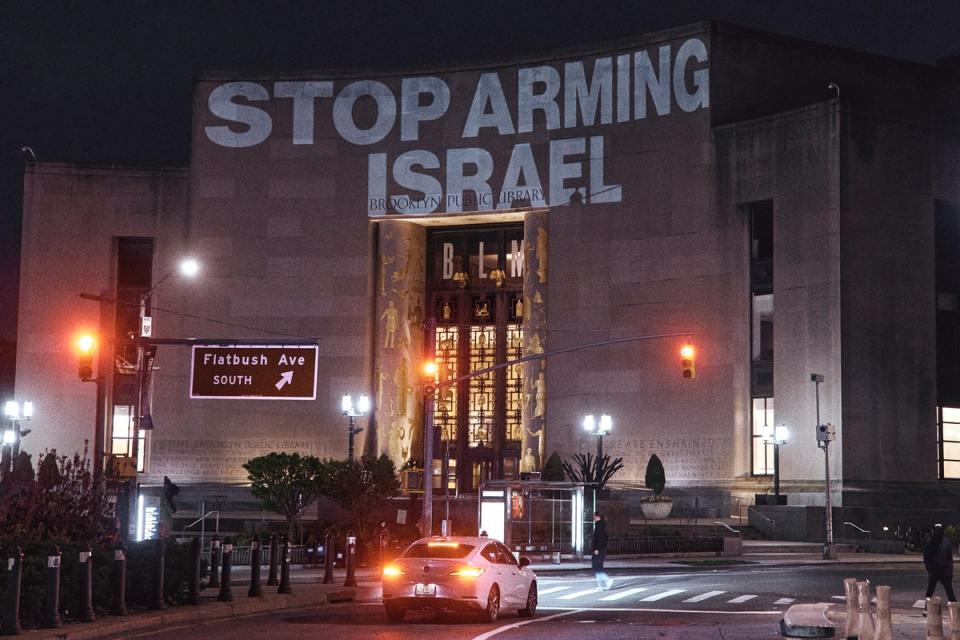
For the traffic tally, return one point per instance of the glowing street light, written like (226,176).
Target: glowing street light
(353,412)
(599,429)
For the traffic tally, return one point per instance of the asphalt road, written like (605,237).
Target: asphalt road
(729,603)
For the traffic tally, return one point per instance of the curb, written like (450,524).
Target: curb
(115,626)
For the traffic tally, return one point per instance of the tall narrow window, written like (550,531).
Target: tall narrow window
(947,252)
(134,277)
(762,449)
(949,441)
(760,220)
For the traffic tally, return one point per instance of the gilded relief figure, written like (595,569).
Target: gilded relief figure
(446,311)
(518,307)
(380,377)
(542,255)
(529,461)
(415,313)
(540,387)
(389,316)
(400,379)
(384,262)
(533,346)
(537,298)
(401,274)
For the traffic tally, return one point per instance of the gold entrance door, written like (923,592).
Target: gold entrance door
(475,282)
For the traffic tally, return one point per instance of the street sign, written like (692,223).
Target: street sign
(254,372)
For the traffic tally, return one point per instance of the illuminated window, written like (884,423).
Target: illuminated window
(445,418)
(122,441)
(483,347)
(762,452)
(949,432)
(514,403)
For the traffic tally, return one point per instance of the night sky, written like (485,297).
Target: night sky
(111,82)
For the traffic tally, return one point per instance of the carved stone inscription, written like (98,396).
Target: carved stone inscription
(687,461)
(196,460)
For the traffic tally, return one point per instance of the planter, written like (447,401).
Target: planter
(658,510)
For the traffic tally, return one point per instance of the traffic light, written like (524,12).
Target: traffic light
(687,364)
(430,369)
(86,345)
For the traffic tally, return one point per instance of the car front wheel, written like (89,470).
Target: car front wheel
(531,608)
(492,611)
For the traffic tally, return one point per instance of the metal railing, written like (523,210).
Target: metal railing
(860,531)
(663,544)
(773,523)
(725,526)
(241,555)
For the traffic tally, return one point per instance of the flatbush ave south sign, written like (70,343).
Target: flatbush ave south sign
(254,372)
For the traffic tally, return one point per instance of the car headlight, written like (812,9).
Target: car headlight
(468,572)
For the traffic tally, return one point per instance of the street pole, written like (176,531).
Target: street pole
(427,520)
(776,472)
(599,447)
(351,431)
(817,378)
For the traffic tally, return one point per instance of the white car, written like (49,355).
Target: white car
(459,574)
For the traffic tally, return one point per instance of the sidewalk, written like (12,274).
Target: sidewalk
(308,591)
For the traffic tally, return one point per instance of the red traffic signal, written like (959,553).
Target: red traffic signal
(688,367)
(86,345)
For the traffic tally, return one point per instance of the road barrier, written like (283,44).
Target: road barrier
(193,595)
(255,591)
(86,587)
(214,563)
(226,593)
(118,583)
(934,619)
(284,566)
(11,618)
(51,616)
(156,593)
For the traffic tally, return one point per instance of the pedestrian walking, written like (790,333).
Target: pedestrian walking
(598,543)
(938,559)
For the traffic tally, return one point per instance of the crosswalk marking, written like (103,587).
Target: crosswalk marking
(544,592)
(704,596)
(576,594)
(740,599)
(784,601)
(620,595)
(920,604)
(662,595)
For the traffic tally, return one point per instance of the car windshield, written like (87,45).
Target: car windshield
(442,550)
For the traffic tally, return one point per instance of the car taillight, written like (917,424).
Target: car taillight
(391,571)
(467,572)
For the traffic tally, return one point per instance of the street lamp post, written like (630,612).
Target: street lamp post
(188,268)
(824,436)
(599,429)
(777,436)
(353,412)
(429,393)
(16,412)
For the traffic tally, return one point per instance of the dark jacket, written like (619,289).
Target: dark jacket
(938,556)
(599,540)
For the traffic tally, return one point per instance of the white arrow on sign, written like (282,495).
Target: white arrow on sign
(285,378)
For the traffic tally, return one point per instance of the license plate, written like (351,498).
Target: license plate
(425,590)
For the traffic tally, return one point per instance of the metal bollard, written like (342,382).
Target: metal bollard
(274,552)
(51,612)
(85,612)
(118,584)
(351,560)
(884,619)
(255,591)
(284,567)
(329,552)
(214,562)
(953,611)
(193,596)
(156,592)
(226,593)
(853,621)
(934,619)
(11,612)
(865,618)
